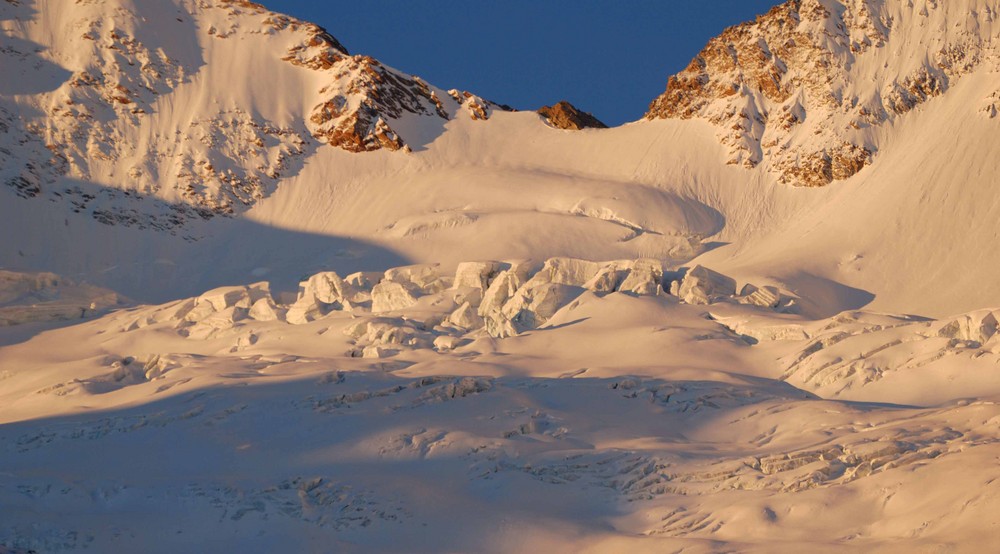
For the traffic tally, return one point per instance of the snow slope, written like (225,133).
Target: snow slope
(204,133)
(831,385)
(624,420)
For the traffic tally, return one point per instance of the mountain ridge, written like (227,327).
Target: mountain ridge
(340,308)
(124,126)
(121,70)
(775,86)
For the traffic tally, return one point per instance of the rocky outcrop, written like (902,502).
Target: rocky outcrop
(364,98)
(991,105)
(319,51)
(112,86)
(792,90)
(355,115)
(564,115)
(822,168)
(112,67)
(475,107)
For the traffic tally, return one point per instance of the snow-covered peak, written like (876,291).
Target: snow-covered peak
(805,88)
(205,105)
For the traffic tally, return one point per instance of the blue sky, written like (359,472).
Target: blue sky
(609,58)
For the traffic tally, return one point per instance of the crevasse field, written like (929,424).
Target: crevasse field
(260,294)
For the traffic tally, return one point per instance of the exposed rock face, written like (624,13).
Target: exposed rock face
(356,115)
(364,97)
(114,67)
(476,107)
(109,84)
(991,105)
(566,116)
(793,89)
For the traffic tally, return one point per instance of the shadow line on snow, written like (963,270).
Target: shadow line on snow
(153,251)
